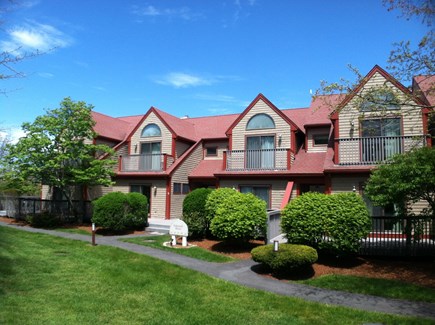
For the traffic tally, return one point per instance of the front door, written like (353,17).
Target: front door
(145,190)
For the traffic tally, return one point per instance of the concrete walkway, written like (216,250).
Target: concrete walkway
(241,273)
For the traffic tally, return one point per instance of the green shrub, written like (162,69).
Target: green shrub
(118,211)
(43,220)
(342,218)
(194,214)
(287,258)
(137,215)
(109,211)
(215,198)
(239,217)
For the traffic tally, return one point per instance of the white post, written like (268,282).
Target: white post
(184,242)
(174,241)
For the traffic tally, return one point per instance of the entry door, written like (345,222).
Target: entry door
(145,190)
(151,156)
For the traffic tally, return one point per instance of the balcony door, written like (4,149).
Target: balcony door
(150,156)
(260,152)
(381,139)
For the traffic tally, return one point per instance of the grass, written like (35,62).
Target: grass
(376,287)
(50,280)
(74,231)
(195,252)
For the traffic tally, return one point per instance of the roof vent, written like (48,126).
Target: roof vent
(184,117)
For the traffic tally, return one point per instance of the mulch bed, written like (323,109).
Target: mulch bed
(416,271)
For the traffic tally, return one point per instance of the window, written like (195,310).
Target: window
(151,130)
(260,152)
(320,139)
(262,192)
(181,188)
(150,158)
(260,121)
(380,139)
(210,152)
(379,99)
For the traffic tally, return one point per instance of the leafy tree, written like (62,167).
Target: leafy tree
(405,61)
(408,177)
(58,151)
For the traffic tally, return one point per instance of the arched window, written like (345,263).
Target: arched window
(379,100)
(260,121)
(151,130)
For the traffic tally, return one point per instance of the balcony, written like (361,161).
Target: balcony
(145,163)
(375,150)
(256,160)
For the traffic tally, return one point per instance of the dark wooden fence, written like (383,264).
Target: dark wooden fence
(400,236)
(19,207)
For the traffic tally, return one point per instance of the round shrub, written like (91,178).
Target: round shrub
(43,220)
(332,222)
(137,215)
(239,217)
(109,211)
(302,218)
(215,198)
(288,257)
(194,214)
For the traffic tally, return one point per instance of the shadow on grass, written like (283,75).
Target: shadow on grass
(303,273)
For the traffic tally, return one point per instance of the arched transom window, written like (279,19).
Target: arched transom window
(151,130)
(260,121)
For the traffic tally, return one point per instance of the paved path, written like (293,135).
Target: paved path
(241,273)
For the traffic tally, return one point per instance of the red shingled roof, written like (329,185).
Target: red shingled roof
(308,163)
(181,127)
(207,168)
(212,127)
(427,85)
(112,128)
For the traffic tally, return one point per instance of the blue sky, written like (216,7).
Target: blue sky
(196,58)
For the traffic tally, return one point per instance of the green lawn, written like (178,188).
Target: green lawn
(50,280)
(74,231)
(195,252)
(370,286)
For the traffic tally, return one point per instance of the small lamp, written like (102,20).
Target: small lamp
(275,245)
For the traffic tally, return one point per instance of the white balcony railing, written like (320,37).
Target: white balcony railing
(374,150)
(145,163)
(266,159)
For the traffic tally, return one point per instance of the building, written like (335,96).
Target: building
(277,154)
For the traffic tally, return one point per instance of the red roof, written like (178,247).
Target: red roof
(207,168)
(427,87)
(113,128)
(308,163)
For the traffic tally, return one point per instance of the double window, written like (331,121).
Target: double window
(260,152)
(381,139)
(150,156)
(262,192)
(181,188)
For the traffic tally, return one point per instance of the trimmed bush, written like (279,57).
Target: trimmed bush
(194,214)
(137,215)
(109,211)
(43,220)
(118,211)
(287,258)
(239,217)
(215,198)
(342,218)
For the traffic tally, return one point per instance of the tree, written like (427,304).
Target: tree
(405,61)
(409,177)
(58,151)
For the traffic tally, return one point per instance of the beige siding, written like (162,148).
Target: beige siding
(346,184)
(277,188)
(221,147)
(181,176)
(165,138)
(45,192)
(97,191)
(281,128)
(180,148)
(310,142)
(122,151)
(349,120)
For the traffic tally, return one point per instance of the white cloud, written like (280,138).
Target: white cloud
(183,80)
(12,133)
(184,13)
(34,37)
(46,75)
